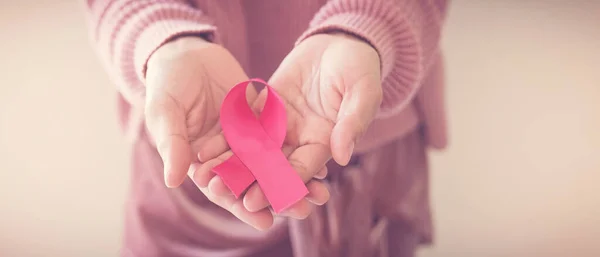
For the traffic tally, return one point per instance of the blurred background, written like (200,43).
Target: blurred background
(519,179)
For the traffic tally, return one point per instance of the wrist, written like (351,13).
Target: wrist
(176,48)
(343,35)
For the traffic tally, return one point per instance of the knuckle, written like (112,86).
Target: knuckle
(301,168)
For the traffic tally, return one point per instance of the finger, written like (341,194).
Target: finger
(318,192)
(166,123)
(307,160)
(300,210)
(218,187)
(199,143)
(322,174)
(287,150)
(318,195)
(255,200)
(193,169)
(213,147)
(203,174)
(261,220)
(359,106)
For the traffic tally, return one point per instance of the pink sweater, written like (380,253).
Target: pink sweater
(259,34)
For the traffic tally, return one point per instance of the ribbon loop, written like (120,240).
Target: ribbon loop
(256,145)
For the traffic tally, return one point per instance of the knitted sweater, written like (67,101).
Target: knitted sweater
(260,33)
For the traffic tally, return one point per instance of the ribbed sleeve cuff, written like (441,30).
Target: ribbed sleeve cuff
(143,27)
(160,32)
(400,31)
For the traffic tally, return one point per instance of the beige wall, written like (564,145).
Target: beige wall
(520,178)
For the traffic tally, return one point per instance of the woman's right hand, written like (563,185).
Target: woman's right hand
(186,82)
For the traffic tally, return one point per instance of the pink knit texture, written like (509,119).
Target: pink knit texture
(404,32)
(127,32)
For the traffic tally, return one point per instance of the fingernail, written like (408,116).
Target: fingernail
(318,202)
(313,200)
(295,214)
(192,169)
(167,180)
(251,206)
(245,203)
(168,176)
(350,151)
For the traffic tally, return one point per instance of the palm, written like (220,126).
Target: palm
(186,83)
(331,97)
(200,104)
(184,94)
(331,87)
(314,80)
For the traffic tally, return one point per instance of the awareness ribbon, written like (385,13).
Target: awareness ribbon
(256,146)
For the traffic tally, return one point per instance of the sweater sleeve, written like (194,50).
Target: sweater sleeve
(126,32)
(405,33)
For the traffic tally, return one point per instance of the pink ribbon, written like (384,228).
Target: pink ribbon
(256,144)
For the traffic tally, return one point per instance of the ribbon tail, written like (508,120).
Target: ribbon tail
(235,175)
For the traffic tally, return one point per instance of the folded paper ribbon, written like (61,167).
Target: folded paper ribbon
(256,145)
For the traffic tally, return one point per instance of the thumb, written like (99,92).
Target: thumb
(359,106)
(165,120)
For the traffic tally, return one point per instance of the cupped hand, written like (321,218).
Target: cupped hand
(331,86)
(186,82)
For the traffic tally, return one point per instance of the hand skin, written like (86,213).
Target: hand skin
(331,85)
(186,82)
